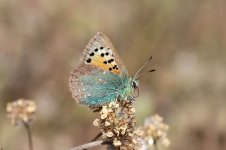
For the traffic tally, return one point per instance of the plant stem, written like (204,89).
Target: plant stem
(87,145)
(95,138)
(91,144)
(29,134)
(155,145)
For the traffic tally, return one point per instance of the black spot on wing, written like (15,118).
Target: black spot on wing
(111,60)
(115,66)
(91,54)
(89,60)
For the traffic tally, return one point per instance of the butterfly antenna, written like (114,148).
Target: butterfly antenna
(142,67)
(138,76)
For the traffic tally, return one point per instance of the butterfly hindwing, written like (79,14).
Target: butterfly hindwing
(94,86)
(101,53)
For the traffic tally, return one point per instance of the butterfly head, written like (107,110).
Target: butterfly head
(135,83)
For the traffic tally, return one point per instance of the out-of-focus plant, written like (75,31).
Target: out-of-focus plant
(154,132)
(21,112)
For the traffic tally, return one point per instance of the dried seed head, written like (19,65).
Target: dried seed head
(116,142)
(107,123)
(117,123)
(155,131)
(96,122)
(109,134)
(21,111)
(103,116)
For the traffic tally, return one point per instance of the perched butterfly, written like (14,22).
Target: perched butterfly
(101,76)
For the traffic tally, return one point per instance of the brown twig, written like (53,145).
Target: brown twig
(28,129)
(95,138)
(91,144)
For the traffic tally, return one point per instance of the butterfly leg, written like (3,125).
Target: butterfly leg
(131,98)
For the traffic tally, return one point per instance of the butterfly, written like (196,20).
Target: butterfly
(101,77)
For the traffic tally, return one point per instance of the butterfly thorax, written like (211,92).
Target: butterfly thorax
(127,91)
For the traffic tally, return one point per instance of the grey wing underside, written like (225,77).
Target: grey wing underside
(94,86)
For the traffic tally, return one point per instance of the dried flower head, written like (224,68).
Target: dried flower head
(155,131)
(21,111)
(117,124)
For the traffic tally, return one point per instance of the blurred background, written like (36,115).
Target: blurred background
(41,41)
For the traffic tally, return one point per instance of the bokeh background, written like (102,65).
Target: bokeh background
(41,41)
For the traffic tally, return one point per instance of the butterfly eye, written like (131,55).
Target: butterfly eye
(134,84)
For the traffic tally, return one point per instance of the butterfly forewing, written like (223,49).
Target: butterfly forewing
(101,53)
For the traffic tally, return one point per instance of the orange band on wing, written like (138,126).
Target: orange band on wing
(101,62)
